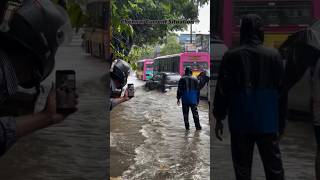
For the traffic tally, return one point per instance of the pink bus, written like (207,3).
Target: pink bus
(144,69)
(281,18)
(197,61)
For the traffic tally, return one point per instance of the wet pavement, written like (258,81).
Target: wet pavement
(148,139)
(76,148)
(297,147)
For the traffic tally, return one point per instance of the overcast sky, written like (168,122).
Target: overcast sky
(204,25)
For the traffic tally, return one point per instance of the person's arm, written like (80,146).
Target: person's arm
(30,123)
(219,110)
(279,72)
(179,91)
(220,102)
(49,116)
(13,128)
(198,91)
(8,133)
(116,101)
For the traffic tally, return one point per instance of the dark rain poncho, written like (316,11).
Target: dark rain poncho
(249,83)
(302,51)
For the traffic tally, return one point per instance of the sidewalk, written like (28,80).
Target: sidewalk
(297,147)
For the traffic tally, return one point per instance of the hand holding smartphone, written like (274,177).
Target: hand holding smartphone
(66,91)
(130,90)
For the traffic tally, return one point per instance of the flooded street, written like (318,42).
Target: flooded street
(298,152)
(76,148)
(149,141)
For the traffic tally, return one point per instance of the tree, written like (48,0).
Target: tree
(77,17)
(160,10)
(138,53)
(125,35)
(172,46)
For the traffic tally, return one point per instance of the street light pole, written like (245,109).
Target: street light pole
(190,33)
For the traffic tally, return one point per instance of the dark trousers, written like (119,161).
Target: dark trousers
(194,110)
(242,146)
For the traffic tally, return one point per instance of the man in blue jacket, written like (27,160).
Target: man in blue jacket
(188,91)
(248,91)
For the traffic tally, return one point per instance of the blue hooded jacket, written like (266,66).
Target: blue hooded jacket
(249,83)
(188,90)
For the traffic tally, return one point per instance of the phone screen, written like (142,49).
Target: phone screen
(65,89)
(130,90)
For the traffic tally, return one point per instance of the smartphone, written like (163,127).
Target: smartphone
(65,90)
(130,90)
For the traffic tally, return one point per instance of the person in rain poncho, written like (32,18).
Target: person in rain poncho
(189,92)
(248,91)
(302,52)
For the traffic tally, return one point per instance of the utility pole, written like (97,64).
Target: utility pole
(190,33)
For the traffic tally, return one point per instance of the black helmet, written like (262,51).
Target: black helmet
(120,71)
(188,71)
(37,28)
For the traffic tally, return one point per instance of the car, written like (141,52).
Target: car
(163,81)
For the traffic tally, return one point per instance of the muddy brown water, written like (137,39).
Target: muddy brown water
(148,139)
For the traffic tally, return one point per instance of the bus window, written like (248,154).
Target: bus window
(167,62)
(139,71)
(196,65)
(284,13)
(176,64)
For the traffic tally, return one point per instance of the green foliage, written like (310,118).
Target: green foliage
(122,33)
(77,16)
(138,53)
(172,46)
(142,35)
(161,10)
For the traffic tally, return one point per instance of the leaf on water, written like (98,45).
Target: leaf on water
(164,167)
(116,178)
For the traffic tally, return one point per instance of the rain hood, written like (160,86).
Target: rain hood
(251,30)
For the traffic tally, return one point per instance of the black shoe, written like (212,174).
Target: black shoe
(198,128)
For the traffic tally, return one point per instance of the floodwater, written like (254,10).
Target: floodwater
(76,148)
(148,139)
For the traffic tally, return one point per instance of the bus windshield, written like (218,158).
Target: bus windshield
(284,13)
(149,66)
(196,65)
